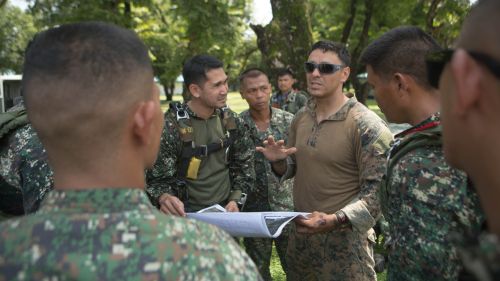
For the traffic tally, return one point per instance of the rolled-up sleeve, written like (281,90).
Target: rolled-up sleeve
(373,140)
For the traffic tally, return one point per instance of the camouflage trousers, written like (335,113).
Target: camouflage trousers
(259,249)
(337,255)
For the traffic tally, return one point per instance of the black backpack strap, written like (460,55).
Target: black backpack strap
(228,122)
(189,150)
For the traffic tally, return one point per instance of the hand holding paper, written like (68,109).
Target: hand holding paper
(316,222)
(247,224)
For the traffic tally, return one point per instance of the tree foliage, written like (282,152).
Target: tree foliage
(357,22)
(175,30)
(16,29)
(286,40)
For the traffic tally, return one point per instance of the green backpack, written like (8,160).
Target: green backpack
(10,195)
(12,120)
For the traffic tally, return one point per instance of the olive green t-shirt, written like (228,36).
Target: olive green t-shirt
(213,184)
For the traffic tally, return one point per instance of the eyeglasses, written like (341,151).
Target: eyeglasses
(323,68)
(436,62)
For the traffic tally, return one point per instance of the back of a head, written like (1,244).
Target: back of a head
(335,47)
(480,29)
(195,69)
(402,49)
(80,82)
(250,73)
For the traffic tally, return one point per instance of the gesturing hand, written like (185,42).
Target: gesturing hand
(275,150)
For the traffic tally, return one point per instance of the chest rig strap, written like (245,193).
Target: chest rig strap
(189,148)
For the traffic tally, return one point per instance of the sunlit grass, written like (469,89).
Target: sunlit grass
(234,101)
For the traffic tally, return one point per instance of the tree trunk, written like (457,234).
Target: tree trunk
(355,67)
(431,14)
(349,23)
(171,92)
(127,12)
(286,40)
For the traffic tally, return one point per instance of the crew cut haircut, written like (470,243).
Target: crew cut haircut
(81,78)
(253,72)
(402,49)
(88,50)
(336,47)
(286,71)
(196,68)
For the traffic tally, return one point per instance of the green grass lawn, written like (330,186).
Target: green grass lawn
(236,103)
(278,274)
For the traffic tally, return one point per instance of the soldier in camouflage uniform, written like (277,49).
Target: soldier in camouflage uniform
(267,194)
(336,154)
(206,153)
(286,98)
(469,82)
(97,223)
(423,199)
(25,174)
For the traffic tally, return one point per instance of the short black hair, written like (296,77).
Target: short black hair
(65,50)
(402,49)
(252,72)
(285,71)
(76,70)
(196,68)
(336,47)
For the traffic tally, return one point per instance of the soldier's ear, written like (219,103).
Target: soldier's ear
(195,90)
(402,82)
(467,74)
(143,122)
(345,72)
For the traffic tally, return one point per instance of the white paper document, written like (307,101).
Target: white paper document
(247,224)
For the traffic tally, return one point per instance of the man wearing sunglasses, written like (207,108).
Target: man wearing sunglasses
(469,82)
(91,98)
(423,199)
(338,163)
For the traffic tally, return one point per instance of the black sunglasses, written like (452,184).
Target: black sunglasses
(436,62)
(323,68)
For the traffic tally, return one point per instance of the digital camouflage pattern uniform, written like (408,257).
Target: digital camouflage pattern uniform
(345,253)
(25,174)
(162,178)
(425,202)
(115,234)
(268,194)
(481,256)
(291,102)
